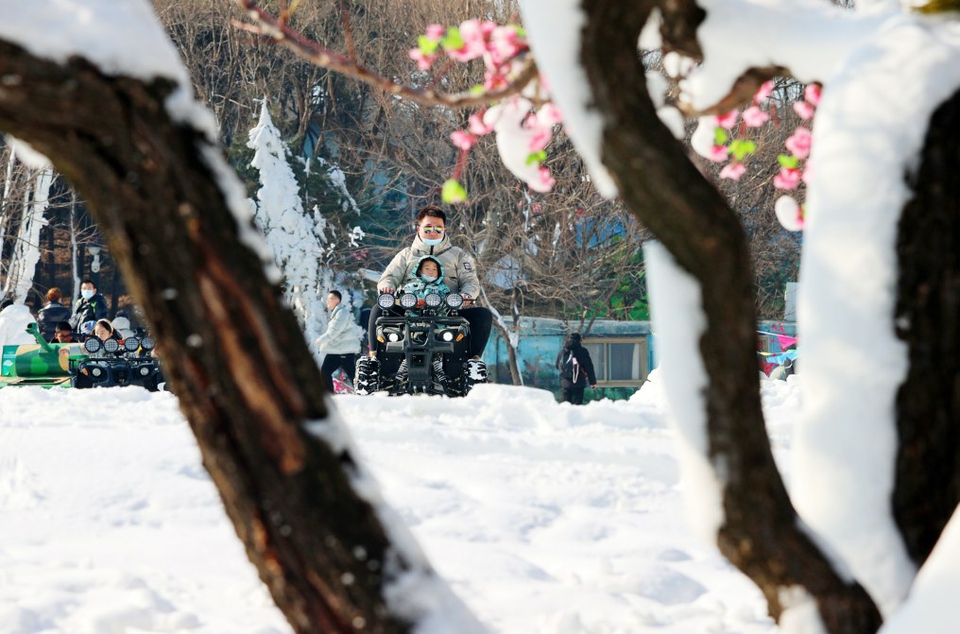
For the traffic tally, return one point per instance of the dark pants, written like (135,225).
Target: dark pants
(479,318)
(570,393)
(330,364)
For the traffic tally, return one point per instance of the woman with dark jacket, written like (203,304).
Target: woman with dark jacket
(52,313)
(576,370)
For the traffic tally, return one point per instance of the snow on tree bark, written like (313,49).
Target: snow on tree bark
(232,351)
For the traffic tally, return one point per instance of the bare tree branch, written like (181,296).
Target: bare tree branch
(273,29)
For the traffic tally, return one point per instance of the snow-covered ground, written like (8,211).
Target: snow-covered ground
(543,517)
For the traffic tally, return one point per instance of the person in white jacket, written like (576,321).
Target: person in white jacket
(340,343)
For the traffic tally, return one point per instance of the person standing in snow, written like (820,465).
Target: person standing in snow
(92,306)
(459,274)
(52,313)
(340,343)
(576,370)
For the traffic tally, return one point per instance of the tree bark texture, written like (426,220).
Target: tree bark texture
(927,485)
(232,351)
(668,194)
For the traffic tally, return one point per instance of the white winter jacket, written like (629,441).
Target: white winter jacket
(342,335)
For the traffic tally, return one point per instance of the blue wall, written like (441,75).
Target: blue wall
(541,340)
(540,343)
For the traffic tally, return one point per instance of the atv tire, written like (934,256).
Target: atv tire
(476,371)
(368,376)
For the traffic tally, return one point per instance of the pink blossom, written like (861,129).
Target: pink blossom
(435,32)
(788,178)
(539,139)
(765,90)
(423,61)
(803,109)
(474,42)
(463,140)
(494,78)
(754,117)
(733,171)
(504,44)
(549,114)
(718,153)
(799,143)
(476,124)
(543,182)
(812,94)
(728,120)
(535,208)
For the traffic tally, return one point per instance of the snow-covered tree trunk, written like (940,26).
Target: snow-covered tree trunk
(26,249)
(74,258)
(927,487)
(307,513)
(4,212)
(686,213)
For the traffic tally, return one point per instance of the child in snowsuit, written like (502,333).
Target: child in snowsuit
(429,276)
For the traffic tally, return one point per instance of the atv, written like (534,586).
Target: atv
(115,362)
(421,348)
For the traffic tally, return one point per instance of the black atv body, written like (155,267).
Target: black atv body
(421,350)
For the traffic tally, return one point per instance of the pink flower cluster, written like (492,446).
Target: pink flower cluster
(736,149)
(474,39)
(522,139)
(792,171)
(794,168)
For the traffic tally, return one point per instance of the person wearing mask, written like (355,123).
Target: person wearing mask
(340,343)
(576,370)
(91,306)
(52,313)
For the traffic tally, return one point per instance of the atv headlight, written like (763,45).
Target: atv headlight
(433,300)
(393,336)
(130,344)
(447,335)
(111,345)
(454,300)
(92,345)
(144,370)
(148,343)
(408,300)
(387,300)
(96,371)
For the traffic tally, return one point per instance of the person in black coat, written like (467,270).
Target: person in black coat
(576,370)
(90,307)
(52,313)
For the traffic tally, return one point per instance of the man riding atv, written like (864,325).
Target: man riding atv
(457,271)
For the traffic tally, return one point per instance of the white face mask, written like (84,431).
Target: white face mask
(86,294)
(432,243)
(429,278)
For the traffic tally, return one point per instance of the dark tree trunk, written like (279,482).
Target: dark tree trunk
(927,488)
(234,354)
(686,213)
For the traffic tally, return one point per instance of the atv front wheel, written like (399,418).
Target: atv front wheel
(368,376)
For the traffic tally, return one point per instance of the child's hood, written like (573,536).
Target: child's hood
(429,257)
